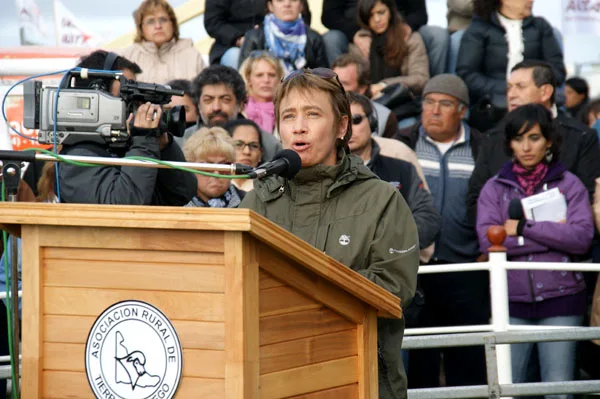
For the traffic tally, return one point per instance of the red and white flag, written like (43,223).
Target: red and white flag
(581,17)
(70,30)
(32,29)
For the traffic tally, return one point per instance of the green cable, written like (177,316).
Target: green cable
(137,158)
(15,394)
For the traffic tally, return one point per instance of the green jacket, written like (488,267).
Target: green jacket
(361,221)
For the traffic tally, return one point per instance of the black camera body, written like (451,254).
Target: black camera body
(92,114)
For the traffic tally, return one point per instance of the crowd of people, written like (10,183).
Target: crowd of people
(415,141)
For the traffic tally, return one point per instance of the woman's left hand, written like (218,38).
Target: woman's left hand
(376,90)
(511,227)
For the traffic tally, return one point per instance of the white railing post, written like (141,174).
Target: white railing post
(499,299)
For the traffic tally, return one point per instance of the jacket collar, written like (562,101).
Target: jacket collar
(332,178)
(465,132)
(496,21)
(555,171)
(375,152)
(150,47)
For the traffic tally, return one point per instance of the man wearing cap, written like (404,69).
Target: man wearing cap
(447,147)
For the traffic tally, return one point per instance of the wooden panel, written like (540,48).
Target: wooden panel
(192,334)
(175,305)
(368,382)
(266,281)
(144,239)
(311,378)
(206,258)
(312,285)
(133,275)
(302,352)
(241,326)
(280,300)
(61,384)
(196,363)
(345,392)
(32,327)
(298,325)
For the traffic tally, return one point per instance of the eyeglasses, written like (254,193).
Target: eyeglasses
(445,105)
(324,73)
(252,146)
(153,21)
(357,119)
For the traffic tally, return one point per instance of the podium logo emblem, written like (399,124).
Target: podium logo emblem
(133,352)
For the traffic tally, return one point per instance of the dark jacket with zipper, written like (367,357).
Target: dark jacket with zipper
(322,204)
(483,60)
(314,52)
(579,153)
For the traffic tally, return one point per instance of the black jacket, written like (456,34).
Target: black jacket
(483,61)
(410,136)
(315,48)
(403,175)
(228,20)
(579,153)
(342,15)
(127,185)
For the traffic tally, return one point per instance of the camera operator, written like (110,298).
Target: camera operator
(126,185)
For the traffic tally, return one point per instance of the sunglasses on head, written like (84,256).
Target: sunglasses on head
(260,53)
(324,73)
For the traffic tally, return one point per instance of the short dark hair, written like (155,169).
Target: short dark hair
(362,67)
(363,101)
(231,126)
(580,86)
(593,107)
(96,60)
(525,117)
(182,84)
(543,74)
(216,75)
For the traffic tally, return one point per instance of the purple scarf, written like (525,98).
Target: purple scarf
(530,179)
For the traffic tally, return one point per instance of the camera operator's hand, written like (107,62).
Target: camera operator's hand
(147,116)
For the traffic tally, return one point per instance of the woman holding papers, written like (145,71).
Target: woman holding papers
(539,297)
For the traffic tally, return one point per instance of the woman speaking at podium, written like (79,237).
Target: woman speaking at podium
(337,205)
(554,232)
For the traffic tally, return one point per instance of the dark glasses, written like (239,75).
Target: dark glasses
(357,119)
(324,73)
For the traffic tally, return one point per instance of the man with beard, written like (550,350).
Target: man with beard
(220,96)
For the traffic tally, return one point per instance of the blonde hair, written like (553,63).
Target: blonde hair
(149,6)
(306,81)
(207,142)
(248,64)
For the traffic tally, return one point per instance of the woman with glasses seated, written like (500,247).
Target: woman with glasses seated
(248,147)
(213,145)
(285,34)
(552,234)
(157,48)
(336,204)
(261,72)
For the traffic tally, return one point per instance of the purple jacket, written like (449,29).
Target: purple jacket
(543,241)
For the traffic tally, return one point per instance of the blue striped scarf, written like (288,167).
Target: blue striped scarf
(287,41)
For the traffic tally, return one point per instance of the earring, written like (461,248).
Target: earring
(549,155)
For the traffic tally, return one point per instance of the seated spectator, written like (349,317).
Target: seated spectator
(355,75)
(186,101)
(396,55)
(539,297)
(220,97)
(502,34)
(213,145)
(577,96)
(248,147)
(591,115)
(262,73)
(340,17)
(399,173)
(157,48)
(287,36)
(534,82)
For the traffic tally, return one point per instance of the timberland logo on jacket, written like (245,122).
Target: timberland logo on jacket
(344,240)
(133,352)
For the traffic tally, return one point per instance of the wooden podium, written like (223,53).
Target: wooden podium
(259,312)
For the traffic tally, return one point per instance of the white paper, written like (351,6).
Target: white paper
(548,206)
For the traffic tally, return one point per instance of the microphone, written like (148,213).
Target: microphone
(285,164)
(515,209)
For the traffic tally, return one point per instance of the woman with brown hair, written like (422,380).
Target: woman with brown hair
(396,55)
(157,48)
